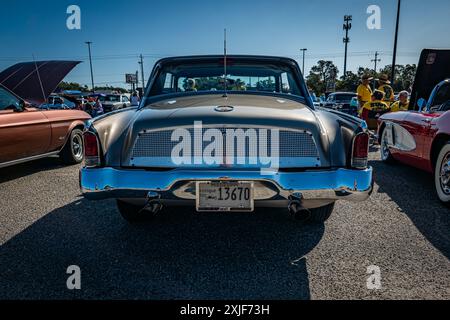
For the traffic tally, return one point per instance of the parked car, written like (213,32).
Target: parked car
(57,102)
(28,133)
(134,156)
(341,101)
(421,137)
(112,102)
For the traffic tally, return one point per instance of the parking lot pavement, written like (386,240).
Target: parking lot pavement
(45,226)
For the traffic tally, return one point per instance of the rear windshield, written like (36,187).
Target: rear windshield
(209,77)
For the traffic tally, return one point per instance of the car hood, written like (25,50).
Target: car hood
(35,81)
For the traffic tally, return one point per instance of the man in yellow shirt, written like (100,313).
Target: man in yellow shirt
(384,85)
(402,104)
(372,110)
(364,91)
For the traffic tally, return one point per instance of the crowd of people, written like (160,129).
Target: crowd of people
(373,103)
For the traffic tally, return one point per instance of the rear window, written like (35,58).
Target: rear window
(209,77)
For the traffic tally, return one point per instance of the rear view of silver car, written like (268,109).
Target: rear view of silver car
(226,134)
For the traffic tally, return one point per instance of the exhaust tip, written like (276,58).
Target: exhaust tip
(298,212)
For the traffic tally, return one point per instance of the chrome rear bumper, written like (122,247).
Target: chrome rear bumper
(179,184)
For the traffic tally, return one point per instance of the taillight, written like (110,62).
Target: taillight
(360,151)
(91,150)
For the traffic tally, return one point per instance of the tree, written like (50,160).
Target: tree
(322,77)
(404,75)
(71,86)
(348,83)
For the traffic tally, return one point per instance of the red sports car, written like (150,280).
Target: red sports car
(421,138)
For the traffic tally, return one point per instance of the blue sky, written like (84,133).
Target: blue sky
(122,30)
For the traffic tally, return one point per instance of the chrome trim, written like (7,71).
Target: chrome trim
(36,157)
(305,161)
(329,185)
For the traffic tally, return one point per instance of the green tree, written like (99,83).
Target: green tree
(322,77)
(348,83)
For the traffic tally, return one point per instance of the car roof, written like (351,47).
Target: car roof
(254,58)
(343,92)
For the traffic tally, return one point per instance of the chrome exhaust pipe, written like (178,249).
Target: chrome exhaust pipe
(153,205)
(297,211)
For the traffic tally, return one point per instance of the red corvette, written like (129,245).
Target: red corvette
(422,138)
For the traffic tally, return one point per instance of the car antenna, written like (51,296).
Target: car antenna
(225,62)
(39,77)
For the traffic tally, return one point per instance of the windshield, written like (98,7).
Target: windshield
(344,97)
(7,100)
(110,98)
(209,76)
(443,95)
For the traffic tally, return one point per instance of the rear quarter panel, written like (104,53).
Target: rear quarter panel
(62,123)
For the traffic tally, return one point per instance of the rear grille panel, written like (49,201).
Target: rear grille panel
(296,147)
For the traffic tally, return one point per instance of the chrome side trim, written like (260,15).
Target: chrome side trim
(18,161)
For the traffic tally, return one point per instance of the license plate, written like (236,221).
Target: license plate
(224,196)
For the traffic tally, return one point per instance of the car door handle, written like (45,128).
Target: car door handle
(426,120)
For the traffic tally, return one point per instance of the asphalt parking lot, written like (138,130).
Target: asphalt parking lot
(45,226)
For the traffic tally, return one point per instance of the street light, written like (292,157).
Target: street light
(303,66)
(347,27)
(90,63)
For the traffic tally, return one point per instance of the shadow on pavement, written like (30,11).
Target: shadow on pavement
(414,192)
(180,255)
(27,168)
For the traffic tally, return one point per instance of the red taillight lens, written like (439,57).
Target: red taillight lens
(91,150)
(360,151)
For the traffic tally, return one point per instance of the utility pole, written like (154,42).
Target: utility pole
(142,72)
(375,60)
(303,65)
(395,42)
(90,63)
(375,67)
(347,27)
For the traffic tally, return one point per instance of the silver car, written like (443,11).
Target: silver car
(226,134)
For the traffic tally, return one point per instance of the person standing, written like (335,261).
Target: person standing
(364,91)
(373,109)
(385,87)
(135,99)
(98,108)
(402,104)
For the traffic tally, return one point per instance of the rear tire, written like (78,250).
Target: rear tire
(133,213)
(72,152)
(321,214)
(442,174)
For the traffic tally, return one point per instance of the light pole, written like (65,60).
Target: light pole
(142,72)
(90,63)
(395,42)
(347,27)
(303,65)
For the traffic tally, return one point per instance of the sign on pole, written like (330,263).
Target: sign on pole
(130,78)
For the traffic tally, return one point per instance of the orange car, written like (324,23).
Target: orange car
(28,133)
